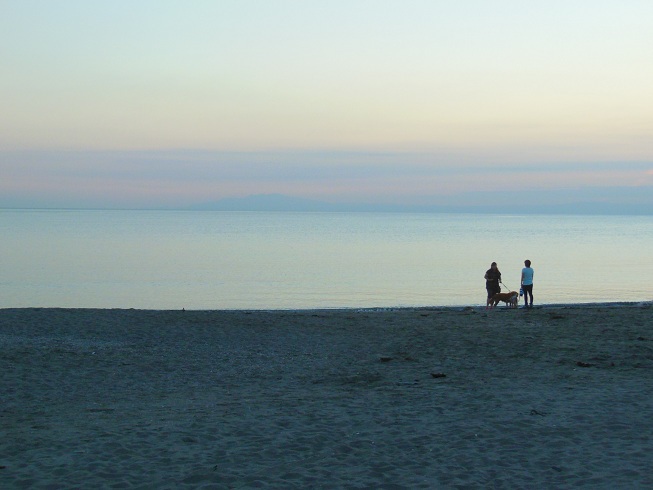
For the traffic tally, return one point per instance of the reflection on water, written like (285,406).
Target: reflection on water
(214,260)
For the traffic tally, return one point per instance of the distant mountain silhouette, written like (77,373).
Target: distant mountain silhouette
(280,202)
(269,202)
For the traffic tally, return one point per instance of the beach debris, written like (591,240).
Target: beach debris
(641,338)
(584,364)
(556,468)
(537,412)
(385,359)
(438,375)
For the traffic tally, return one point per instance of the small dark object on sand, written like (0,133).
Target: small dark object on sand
(584,364)
(438,375)
(386,359)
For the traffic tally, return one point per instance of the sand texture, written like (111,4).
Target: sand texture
(554,397)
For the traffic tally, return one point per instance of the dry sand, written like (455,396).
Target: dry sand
(328,399)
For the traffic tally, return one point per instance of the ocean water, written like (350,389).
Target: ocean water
(259,260)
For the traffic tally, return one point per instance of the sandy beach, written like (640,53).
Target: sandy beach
(553,397)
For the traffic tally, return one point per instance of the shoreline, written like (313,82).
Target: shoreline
(477,307)
(559,397)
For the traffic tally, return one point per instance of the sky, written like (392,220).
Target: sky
(165,104)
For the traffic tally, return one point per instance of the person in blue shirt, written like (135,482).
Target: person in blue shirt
(527,283)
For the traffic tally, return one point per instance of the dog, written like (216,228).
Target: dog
(511,299)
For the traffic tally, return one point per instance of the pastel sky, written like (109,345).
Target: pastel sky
(158,103)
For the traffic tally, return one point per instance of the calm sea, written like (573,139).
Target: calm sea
(259,260)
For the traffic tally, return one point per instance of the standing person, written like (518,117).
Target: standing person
(527,283)
(492,280)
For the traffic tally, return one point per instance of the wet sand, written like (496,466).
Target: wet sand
(553,397)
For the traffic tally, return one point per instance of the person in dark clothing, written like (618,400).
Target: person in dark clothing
(492,280)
